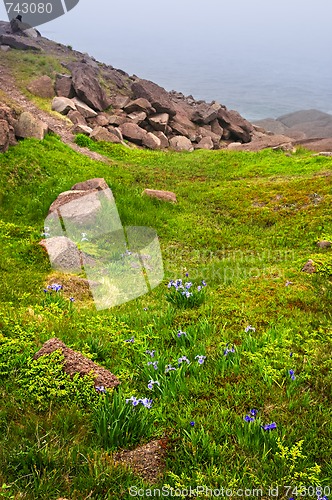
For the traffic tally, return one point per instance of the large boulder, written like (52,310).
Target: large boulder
(81,129)
(4,135)
(19,42)
(180,143)
(205,143)
(84,109)
(42,87)
(7,123)
(23,29)
(140,104)
(159,121)
(63,253)
(151,141)
(238,126)
(76,118)
(155,94)
(133,132)
(163,139)
(137,117)
(102,134)
(28,125)
(268,141)
(63,105)
(64,86)
(205,113)
(88,88)
(119,101)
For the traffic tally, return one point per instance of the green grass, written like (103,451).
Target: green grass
(245,223)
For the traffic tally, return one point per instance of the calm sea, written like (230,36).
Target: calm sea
(253,82)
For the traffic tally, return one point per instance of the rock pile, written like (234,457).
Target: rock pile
(109,105)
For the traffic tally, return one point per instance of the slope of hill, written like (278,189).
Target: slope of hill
(227,388)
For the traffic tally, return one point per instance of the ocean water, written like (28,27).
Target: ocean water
(256,80)
(256,87)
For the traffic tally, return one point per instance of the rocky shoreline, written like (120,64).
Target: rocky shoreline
(109,105)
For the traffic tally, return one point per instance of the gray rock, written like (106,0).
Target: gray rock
(83,108)
(159,121)
(269,141)
(64,86)
(117,120)
(239,127)
(137,117)
(42,87)
(98,183)
(216,128)
(155,94)
(205,143)
(88,88)
(133,132)
(76,118)
(102,134)
(309,267)
(4,48)
(28,125)
(63,105)
(78,207)
(4,136)
(63,254)
(81,129)
(119,101)
(115,131)
(19,42)
(139,104)
(180,143)
(102,120)
(163,139)
(206,113)
(324,244)
(151,141)
(161,195)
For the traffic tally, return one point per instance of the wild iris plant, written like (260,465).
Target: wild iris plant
(120,422)
(186,294)
(53,297)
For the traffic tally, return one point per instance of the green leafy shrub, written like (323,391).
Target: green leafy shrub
(43,381)
(83,141)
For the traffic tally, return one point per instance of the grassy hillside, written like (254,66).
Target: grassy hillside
(245,224)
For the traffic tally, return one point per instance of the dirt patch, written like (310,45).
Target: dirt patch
(147,461)
(75,362)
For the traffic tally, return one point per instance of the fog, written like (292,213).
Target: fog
(244,54)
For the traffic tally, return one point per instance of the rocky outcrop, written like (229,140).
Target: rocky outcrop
(300,125)
(263,142)
(88,88)
(19,42)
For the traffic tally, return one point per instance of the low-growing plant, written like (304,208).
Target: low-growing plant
(185,295)
(121,422)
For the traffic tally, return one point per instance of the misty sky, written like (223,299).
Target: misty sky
(200,47)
